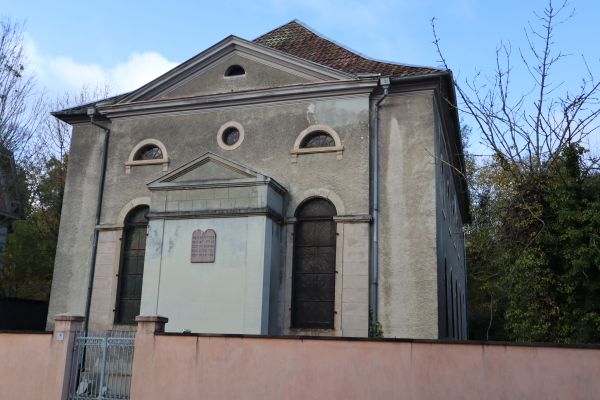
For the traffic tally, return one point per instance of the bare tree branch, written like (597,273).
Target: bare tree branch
(526,132)
(19,108)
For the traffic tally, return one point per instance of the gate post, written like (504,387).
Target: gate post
(57,375)
(148,325)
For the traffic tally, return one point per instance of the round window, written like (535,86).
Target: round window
(231,136)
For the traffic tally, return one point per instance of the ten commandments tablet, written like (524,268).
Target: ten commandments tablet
(203,246)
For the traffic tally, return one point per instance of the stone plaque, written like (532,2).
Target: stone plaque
(203,246)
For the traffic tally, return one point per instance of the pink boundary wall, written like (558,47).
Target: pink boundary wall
(36,365)
(176,367)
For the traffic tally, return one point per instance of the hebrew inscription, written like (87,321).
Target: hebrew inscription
(203,246)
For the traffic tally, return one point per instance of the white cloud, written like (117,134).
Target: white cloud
(139,69)
(59,74)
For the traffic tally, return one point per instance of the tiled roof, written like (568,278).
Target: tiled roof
(295,39)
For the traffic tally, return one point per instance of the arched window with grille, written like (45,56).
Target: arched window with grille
(317,139)
(147,152)
(131,270)
(313,277)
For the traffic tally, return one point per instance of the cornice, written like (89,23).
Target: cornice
(224,213)
(237,99)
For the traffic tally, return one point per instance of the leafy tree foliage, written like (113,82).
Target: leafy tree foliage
(534,253)
(30,251)
(534,244)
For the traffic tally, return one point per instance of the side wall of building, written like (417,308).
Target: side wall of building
(451,257)
(74,248)
(408,304)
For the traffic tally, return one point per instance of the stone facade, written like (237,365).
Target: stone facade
(249,193)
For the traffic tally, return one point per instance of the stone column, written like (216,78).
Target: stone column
(61,350)
(147,326)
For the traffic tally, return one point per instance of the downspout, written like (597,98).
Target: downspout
(374,287)
(88,301)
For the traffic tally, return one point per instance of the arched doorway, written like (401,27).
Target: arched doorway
(313,278)
(131,270)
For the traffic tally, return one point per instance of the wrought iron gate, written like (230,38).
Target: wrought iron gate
(101,366)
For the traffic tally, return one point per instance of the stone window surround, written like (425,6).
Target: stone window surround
(297,150)
(132,162)
(288,264)
(108,263)
(223,128)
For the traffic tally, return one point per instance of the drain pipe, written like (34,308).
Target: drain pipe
(374,287)
(88,301)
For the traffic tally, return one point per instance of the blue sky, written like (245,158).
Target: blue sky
(127,43)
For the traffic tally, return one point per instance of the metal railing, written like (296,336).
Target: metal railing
(101,365)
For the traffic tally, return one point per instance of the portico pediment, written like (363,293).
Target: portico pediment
(210,186)
(206,171)
(207,73)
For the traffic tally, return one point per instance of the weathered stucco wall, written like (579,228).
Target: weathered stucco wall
(407,235)
(355,279)
(259,75)
(270,132)
(180,367)
(73,252)
(104,291)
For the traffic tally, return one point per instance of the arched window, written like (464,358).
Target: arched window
(313,280)
(317,139)
(132,266)
(235,70)
(148,152)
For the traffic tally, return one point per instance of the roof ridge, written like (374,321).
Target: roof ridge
(320,35)
(358,53)
(301,40)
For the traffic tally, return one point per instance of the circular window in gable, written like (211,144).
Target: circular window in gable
(230,135)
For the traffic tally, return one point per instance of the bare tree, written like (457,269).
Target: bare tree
(47,164)
(528,130)
(54,135)
(19,107)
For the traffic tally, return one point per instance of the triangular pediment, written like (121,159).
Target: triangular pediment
(208,169)
(204,74)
